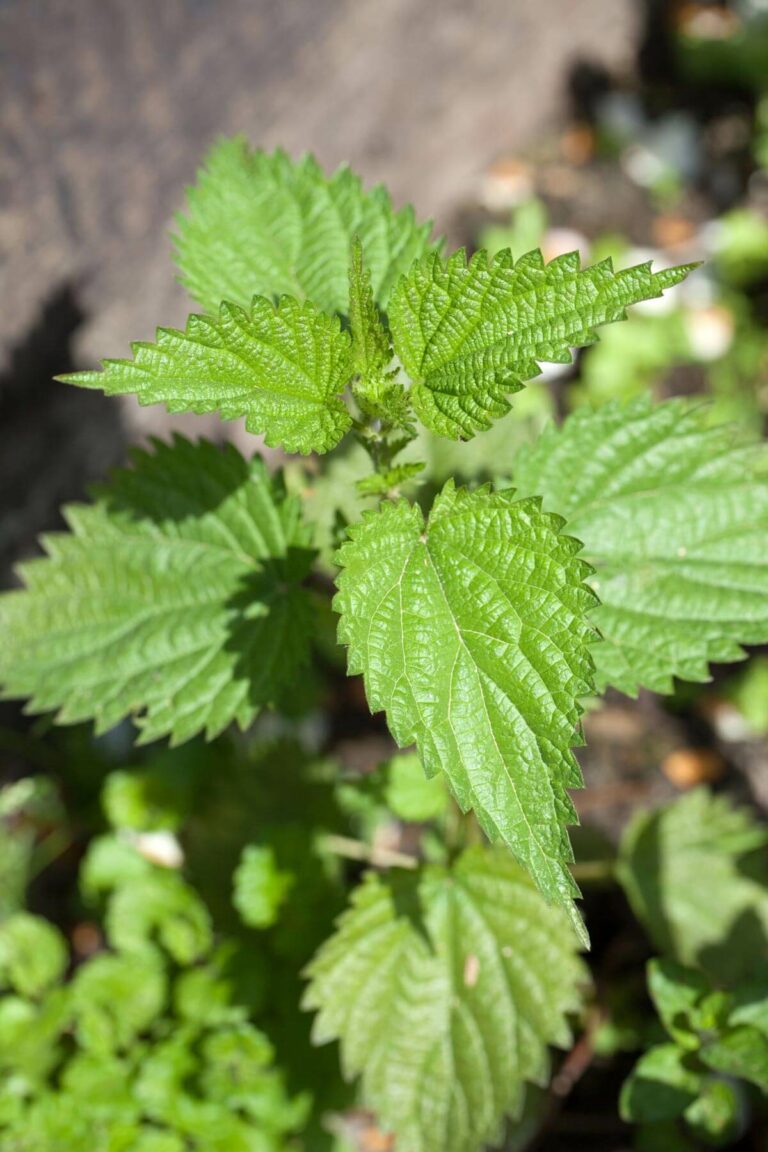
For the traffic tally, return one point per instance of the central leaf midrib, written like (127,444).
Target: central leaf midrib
(489,726)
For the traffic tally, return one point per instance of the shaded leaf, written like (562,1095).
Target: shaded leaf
(660,1086)
(174,599)
(696,875)
(741,1051)
(673,515)
(448,1010)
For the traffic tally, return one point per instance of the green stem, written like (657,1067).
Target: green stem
(356,850)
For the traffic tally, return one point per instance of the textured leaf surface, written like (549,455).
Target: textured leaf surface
(471,633)
(469,334)
(490,455)
(674,517)
(175,598)
(447,1018)
(696,875)
(263,224)
(282,367)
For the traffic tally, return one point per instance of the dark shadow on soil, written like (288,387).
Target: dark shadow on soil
(56,440)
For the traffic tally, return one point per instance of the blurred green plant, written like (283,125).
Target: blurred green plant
(716,1039)
(146,1046)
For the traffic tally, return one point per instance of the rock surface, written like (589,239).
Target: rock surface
(109,106)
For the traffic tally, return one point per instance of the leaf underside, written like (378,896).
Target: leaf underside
(470,334)
(471,633)
(447,1019)
(673,516)
(263,224)
(175,598)
(282,367)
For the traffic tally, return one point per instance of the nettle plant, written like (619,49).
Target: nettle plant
(624,548)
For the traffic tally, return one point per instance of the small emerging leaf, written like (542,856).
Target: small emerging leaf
(381,483)
(677,993)
(371,346)
(142,801)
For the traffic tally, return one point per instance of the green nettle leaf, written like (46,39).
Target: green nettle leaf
(389,481)
(471,633)
(469,334)
(142,802)
(371,346)
(283,367)
(448,1016)
(696,875)
(673,515)
(260,887)
(261,223)
(176,598)
(380,390)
